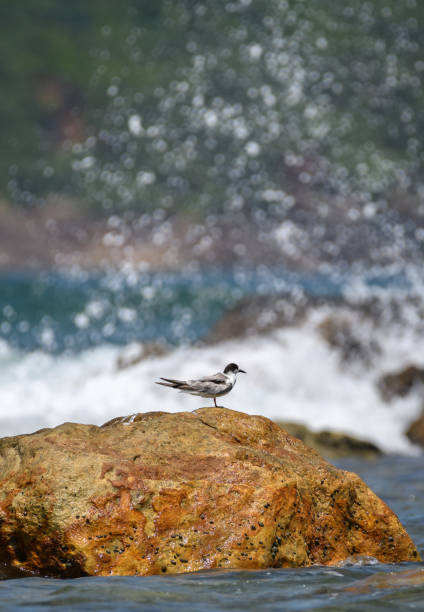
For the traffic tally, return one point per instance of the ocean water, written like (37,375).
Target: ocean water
(363,586)
(75,310)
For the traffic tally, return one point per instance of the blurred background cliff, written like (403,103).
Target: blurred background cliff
(184,184)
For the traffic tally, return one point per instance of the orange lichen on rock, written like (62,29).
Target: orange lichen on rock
(172,493)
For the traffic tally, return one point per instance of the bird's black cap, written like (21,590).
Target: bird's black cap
(233,367)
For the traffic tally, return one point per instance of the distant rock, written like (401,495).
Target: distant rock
(134,353)
(332,444)
(415,431)
(347,329)
(258,314)
(390,581)
(168,493)
(401,382)
(342,333)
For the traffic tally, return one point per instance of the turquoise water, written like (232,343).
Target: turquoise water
(58,312)
(370,586)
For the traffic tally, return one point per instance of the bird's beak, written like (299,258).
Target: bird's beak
(244,371)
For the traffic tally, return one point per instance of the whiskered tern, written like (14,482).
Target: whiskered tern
(214,385)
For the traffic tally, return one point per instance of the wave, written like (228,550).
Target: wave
(293,375)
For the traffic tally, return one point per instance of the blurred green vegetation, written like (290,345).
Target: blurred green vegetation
(183,104)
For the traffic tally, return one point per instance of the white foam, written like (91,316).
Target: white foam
(292,375)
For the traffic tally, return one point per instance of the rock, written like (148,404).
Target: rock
(348,328)
(391,581)
(258,314)
(341,332)
(332,444)
(415,431)
(400,383)
(134,353)
(8,572)
(157,492)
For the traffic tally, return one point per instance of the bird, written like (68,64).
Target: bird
(212,386)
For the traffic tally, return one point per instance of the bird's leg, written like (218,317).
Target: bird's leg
(214,399)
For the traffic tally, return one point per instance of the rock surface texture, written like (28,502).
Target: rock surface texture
(158,492)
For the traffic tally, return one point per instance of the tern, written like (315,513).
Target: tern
(214,385)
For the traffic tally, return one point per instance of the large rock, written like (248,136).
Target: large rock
(160,492)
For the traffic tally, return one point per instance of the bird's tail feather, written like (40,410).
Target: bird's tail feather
(171,382)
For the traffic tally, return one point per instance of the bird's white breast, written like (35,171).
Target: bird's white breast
(232,377)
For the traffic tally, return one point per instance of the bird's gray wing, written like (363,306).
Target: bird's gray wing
(210,385)
(217,378)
